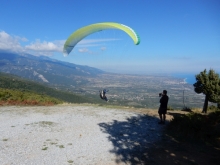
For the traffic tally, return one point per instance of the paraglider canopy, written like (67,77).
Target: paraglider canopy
(81,33)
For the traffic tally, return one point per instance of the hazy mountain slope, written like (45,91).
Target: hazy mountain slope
(46,70)
(14,82)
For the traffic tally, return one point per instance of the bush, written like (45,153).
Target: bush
(212,108)
(169,108)
(18,97)
(187,109)
(196,127)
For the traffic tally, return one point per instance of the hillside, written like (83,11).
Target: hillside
(17,97)
(46,70)
(18,87)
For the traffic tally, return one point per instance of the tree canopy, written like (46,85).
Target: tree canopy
(208,83)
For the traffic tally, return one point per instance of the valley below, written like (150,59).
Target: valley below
(140,91)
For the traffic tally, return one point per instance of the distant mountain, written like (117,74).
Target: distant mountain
(46,70)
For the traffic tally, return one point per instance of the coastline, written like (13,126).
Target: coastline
(188,78)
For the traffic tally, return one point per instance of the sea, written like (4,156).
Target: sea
(189,78)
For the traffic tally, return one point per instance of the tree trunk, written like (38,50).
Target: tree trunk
(205,106)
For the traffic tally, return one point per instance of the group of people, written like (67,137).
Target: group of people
(163,104)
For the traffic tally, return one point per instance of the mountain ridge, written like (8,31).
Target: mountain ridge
(45,70)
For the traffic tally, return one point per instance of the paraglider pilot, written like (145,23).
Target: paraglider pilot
(102,94)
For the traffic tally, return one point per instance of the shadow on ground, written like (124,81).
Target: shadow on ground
(132,138)
(140,140)
(175,114)
(170,151)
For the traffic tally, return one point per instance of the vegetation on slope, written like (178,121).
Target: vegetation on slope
(18,88)
(17,97)
(191,138)
(197,127)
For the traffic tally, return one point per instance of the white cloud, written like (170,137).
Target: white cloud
(89,51)
(11,43)
(45,46)
(98,43)
(88,41)
(103,48)
(95,42)
(48,48)
(83,50)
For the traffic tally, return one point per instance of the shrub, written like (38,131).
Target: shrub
(187,109)
(17,97)
(169,108)
(212,108)
(196,127)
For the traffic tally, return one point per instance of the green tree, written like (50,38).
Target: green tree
(209,85)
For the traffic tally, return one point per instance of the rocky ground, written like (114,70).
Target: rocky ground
(72,134)
(90,135)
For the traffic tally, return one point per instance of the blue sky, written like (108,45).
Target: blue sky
(177,36)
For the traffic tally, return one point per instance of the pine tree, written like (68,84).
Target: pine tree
(209,85)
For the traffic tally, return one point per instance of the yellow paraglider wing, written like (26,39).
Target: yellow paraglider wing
(81,33)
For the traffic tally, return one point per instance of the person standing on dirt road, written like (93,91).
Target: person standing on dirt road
(163,106)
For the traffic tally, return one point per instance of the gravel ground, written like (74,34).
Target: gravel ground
(75,134)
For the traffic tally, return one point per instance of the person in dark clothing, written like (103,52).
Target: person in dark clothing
(163,106)
(102,94)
